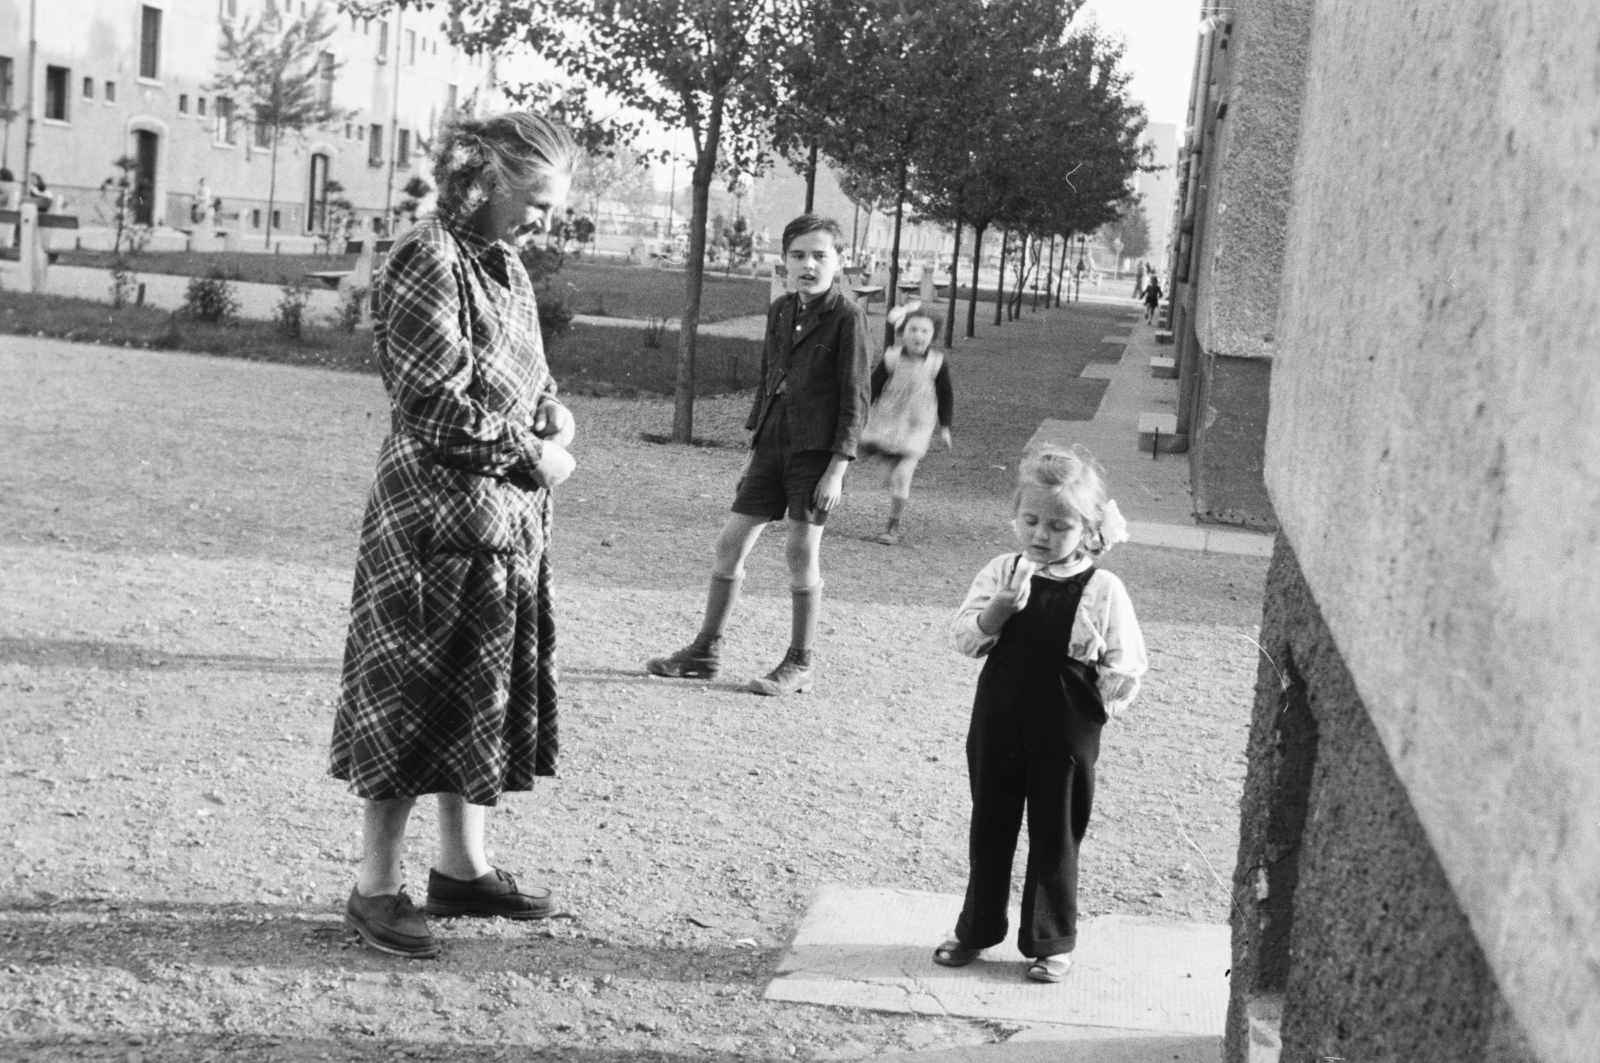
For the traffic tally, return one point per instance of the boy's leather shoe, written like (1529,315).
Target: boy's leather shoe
(496,893)
(792,676)
(390,923)
(701,659)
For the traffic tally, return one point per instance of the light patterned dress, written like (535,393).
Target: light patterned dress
(449,671)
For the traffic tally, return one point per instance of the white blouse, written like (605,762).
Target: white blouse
(1104,632)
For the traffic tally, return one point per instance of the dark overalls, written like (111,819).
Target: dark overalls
(1034,740)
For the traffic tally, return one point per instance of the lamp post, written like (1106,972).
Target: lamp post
(1077,287)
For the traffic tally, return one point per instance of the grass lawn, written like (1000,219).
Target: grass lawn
(588,360)
(591,288)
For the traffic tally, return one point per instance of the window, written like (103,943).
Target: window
(375,146)
(325,69)
(88,88)
(111,92)
(277,219)
(255,218)
(228,9)
(200,106)
(347,131)
(55,92)
(263,136)
(449,98)
(366,27)
(411,47)
(7,73)
(383,40)
(227,126)
(361,132)
(402,148)
(150,43)
(183,103)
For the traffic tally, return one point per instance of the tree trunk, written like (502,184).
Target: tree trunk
(272,187)
(1015,303)
(894,259)
(1000,281)
(705,164)
(1061,271)
(811,179)
(950,311)
(972,296)
(1050,271)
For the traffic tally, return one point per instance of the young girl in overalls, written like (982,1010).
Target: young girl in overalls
(910,395)
(1064,656)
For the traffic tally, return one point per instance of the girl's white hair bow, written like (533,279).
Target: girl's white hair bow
(1113,525)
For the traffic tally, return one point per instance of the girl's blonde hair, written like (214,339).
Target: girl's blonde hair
(1073,476)
(477,155)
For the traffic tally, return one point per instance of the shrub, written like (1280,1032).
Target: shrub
(290,314)
(555,315)
(353,307)
(542,263)
(211,298)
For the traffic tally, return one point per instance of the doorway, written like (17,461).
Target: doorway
(317,195)
(144,177)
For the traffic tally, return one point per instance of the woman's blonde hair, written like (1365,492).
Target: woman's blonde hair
(1073,476)
(477,155)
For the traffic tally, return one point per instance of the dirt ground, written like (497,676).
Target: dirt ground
(176,541)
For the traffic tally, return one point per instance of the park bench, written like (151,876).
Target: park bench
(332,278)
(1158,433)
(1163,368)
(10,219)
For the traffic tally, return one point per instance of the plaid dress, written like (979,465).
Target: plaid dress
(449,679)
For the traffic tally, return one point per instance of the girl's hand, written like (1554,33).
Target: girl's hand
(555,465)
(554,421)
(944,435)
(1010,598)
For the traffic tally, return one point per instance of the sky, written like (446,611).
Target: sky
(1160,36)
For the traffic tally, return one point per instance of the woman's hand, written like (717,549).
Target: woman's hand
(1010,598)
(944,435)
(553,421)
(555,465)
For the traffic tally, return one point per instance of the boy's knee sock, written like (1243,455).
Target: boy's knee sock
(807,604)
(720,600)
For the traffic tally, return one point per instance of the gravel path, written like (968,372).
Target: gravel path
(172,859)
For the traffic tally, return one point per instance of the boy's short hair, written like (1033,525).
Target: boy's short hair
(813,223)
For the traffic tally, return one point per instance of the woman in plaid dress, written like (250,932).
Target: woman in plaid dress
(449,672)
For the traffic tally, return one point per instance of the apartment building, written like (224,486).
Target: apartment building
(136,78)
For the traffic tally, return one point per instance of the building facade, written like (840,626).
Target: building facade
(135,78)
(1156,190)
(1418,877)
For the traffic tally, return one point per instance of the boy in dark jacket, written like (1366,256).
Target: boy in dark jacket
(806,419)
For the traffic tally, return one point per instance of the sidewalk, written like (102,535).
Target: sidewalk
(1153,490)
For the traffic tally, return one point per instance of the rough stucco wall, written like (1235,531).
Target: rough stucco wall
(1434,448)
(1385,967)
(1250,181)
(1227,453)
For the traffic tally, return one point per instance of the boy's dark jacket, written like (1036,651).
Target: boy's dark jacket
(827,370)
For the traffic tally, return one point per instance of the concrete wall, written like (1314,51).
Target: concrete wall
(1343,918)
(1433,451)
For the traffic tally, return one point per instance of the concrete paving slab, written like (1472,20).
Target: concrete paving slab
(871,948)
(1100,370)
(1090,1047)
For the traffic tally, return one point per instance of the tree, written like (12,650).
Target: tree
(282,77)
(1129,235)
(618,174)
(704,66)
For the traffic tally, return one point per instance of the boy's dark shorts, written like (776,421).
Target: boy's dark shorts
(781,482)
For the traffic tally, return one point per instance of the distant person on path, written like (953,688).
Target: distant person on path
(1152,299)
(807,418)
(1064,656)
(449,673)
(910,395)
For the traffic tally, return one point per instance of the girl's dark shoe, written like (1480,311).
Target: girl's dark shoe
(954,954)
(496,893)
(792,676)
(390,923)
(701,659)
